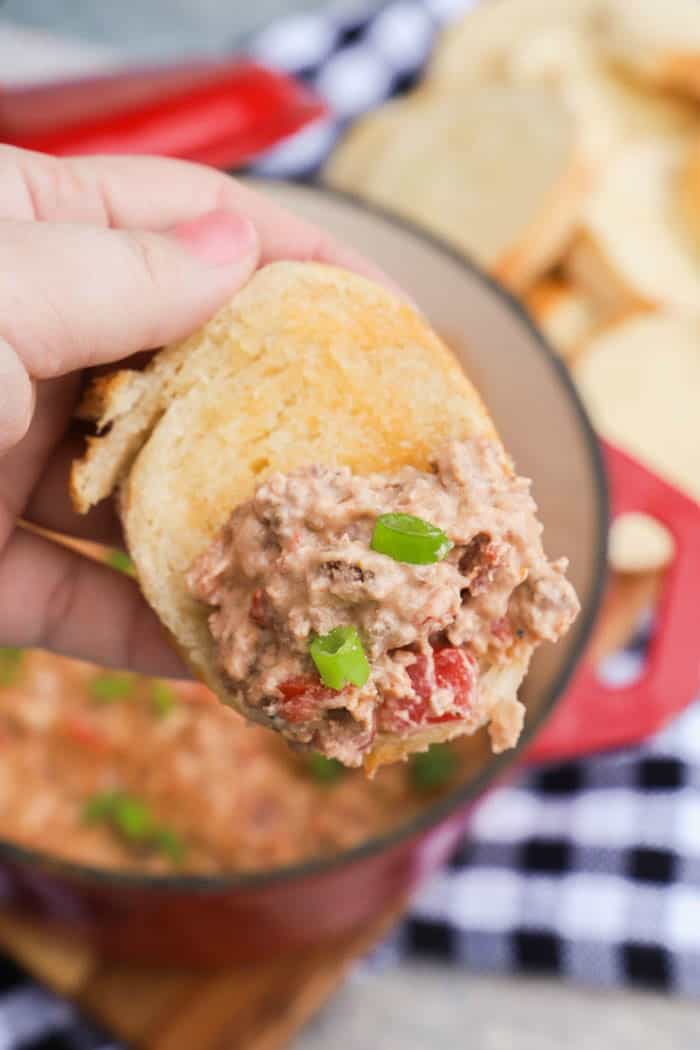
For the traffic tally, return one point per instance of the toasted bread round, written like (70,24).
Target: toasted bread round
(634,251)
(352,162)
(478,45)
(307,364)
(641,382)
(639,543)
(657,42)
(612,110)
(562,46)
(448,163)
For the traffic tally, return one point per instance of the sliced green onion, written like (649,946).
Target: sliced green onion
(164,699)
(99,807)
(408,539)
(10,662)
(121,561)
(133,820)
(169,843)
(107,688)
(326,770)
(340,659)
(434,768)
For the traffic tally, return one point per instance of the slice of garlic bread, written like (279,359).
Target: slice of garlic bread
(449,164)
(634,251)
(314,369)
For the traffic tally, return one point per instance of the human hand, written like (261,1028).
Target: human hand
(100,258)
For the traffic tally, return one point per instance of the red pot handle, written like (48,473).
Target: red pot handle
(219,113)
(593,716)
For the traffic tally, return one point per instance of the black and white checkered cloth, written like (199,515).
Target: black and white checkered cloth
(588,870)
(356,55)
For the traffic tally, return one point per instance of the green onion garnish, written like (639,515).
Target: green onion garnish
(131,817)
(408,539)
(340,658)
(433,768)
(10,661)
(107,688)
(164,699)
(99,807)
(170,844)
(121,561)
(326,770)
(133,820)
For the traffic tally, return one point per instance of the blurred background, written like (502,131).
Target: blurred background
(156,29)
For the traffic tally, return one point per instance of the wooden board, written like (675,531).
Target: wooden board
(252,1007)
(247,1007)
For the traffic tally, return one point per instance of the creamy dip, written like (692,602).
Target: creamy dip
(295,562)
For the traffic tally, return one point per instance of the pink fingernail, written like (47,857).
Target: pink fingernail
(218,237)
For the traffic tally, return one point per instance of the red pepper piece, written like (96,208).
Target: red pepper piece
(303,698)
(83,733)
(453,669)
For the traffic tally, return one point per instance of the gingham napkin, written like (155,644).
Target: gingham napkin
(589,870)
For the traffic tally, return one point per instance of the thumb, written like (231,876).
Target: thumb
(75,296)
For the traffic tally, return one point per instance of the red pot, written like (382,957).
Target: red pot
(200,919)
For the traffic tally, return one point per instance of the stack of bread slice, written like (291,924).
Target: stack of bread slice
(557,143)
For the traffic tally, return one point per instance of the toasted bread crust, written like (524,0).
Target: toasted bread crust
(590,268)
(655,356)
(110,396)
(550,231)
(567,315)
(688,190)
(633,252)
(658,43)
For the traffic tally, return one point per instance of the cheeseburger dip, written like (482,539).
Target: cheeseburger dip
(346,607)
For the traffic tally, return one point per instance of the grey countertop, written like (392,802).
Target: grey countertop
(430,1008)
(407,1007)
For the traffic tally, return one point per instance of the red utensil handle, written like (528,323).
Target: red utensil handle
(594,716)
(223,115)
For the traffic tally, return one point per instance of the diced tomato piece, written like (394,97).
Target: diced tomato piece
(81,732)
(258,608)
(303,698)
(295,687)
(418,673)
(453,669)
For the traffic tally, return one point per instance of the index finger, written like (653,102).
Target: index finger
(156,194)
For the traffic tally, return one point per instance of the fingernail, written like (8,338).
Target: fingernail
(218,237)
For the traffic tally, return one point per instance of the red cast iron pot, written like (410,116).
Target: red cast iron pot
(201,919)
